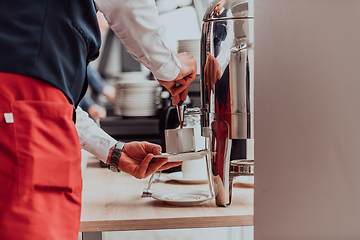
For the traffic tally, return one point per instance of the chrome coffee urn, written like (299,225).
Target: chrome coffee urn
(227,93)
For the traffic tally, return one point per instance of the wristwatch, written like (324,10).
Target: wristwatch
(114,161)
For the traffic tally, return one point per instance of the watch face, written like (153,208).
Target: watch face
(113,168)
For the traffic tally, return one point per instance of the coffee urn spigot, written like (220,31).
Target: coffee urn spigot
(180,108)
(227,93)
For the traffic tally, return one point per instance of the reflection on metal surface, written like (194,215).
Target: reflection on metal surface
(242,167)
(227,87)
(220,149)
(180,140)
(238,9)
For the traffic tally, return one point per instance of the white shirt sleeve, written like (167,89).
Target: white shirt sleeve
(92,138)
(137,24)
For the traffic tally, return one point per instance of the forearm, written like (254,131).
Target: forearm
(137,24)
(86,102)
(92,138)
(95,80)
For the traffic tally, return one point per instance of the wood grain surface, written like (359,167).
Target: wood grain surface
(113,202)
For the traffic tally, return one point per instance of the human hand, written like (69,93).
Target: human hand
(96,112)
(219,6)
(185,78)
(212,72)
(109,92)
(137,159)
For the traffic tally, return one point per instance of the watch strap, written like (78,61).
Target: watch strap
(115,156)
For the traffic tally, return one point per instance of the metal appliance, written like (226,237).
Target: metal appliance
(227,93)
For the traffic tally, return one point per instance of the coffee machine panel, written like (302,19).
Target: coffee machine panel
(227,93)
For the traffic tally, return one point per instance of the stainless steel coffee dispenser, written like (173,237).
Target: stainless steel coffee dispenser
(227,93)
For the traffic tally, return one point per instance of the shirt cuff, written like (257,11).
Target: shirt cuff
(168,71)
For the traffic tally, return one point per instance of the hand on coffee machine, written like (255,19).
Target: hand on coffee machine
(185,77)
(137,160)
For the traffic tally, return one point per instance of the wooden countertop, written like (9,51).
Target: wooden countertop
(113,202)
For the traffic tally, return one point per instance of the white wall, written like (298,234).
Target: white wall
(307,119)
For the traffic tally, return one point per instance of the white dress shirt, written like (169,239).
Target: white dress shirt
(92,138)
(137,24)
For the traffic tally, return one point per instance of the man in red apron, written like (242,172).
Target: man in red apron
(41,173)
(40,161)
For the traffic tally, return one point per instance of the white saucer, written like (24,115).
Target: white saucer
(244,181)
(183,197)
(183,156)
(178,176)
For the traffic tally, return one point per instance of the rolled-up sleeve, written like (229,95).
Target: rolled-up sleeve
(137,24)
(92,138)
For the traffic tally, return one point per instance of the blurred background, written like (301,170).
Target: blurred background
(130,111)
(119,100)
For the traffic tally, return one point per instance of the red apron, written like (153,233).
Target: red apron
(40,162)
